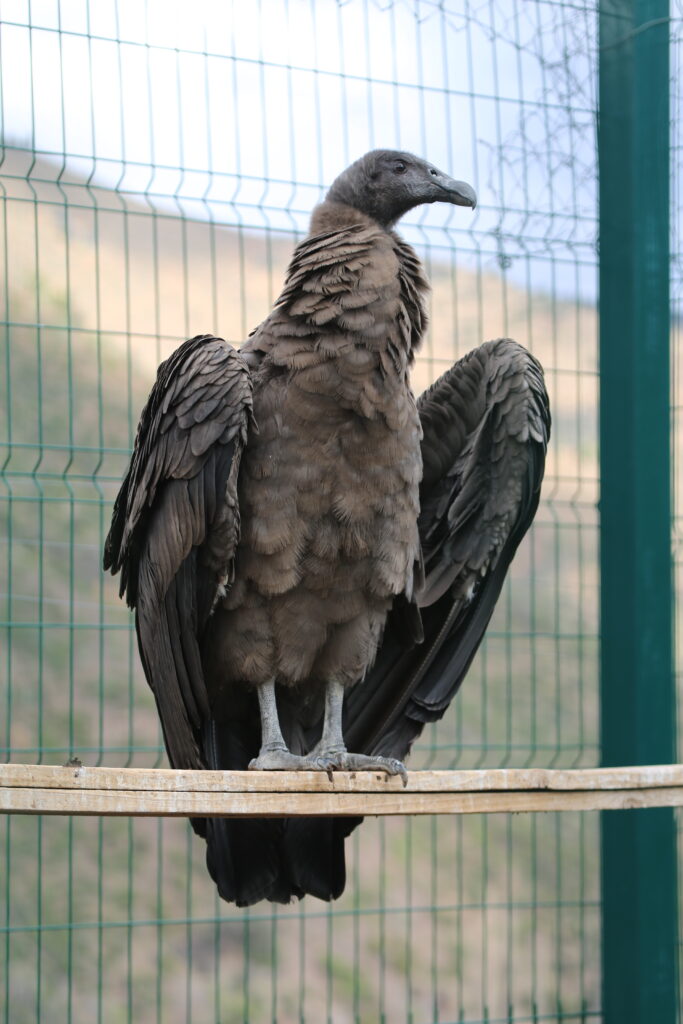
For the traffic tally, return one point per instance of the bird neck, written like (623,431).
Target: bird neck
(331,216)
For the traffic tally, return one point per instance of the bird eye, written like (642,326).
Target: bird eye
(399,167)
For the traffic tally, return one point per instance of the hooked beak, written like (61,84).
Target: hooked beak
(457,192)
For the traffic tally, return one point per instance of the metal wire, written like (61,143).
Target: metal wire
(158,164)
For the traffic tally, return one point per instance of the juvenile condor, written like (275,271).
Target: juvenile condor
(312,555)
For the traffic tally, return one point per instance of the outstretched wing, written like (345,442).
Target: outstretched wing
(486,425)
(175,525)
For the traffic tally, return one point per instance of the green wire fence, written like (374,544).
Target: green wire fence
(159,161)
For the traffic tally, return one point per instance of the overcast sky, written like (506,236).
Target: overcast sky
(243,111)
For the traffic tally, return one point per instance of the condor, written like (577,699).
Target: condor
(312,555)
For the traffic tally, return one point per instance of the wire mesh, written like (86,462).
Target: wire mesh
(159,162)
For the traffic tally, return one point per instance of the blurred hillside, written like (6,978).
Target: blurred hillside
(99,287)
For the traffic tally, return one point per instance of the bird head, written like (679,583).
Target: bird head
(386,183)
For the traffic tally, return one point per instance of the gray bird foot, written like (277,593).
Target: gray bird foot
(278,759)
(343,761)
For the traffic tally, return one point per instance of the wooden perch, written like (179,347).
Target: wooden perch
(76,789)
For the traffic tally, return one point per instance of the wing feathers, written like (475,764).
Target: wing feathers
(176,525)
(486,424)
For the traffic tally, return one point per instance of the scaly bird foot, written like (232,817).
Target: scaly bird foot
(329,761)
(278,759)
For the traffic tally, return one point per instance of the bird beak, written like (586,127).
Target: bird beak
(457,192)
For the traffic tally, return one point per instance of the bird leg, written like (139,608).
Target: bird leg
(331,753)
(273,755)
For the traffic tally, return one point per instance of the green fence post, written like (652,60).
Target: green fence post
(639,883)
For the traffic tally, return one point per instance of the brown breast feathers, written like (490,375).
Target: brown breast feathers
(329,483)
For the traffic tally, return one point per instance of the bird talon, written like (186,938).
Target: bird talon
(344,761)
(277,760)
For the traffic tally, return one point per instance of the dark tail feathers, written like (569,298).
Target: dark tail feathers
(276,859)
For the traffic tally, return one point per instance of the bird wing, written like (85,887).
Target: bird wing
(486,426)
(175,525)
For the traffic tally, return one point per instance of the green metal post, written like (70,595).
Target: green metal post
(639,876)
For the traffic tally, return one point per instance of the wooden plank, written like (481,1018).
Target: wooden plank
(77,789)
(83,777)
(20,800)
(481,780)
